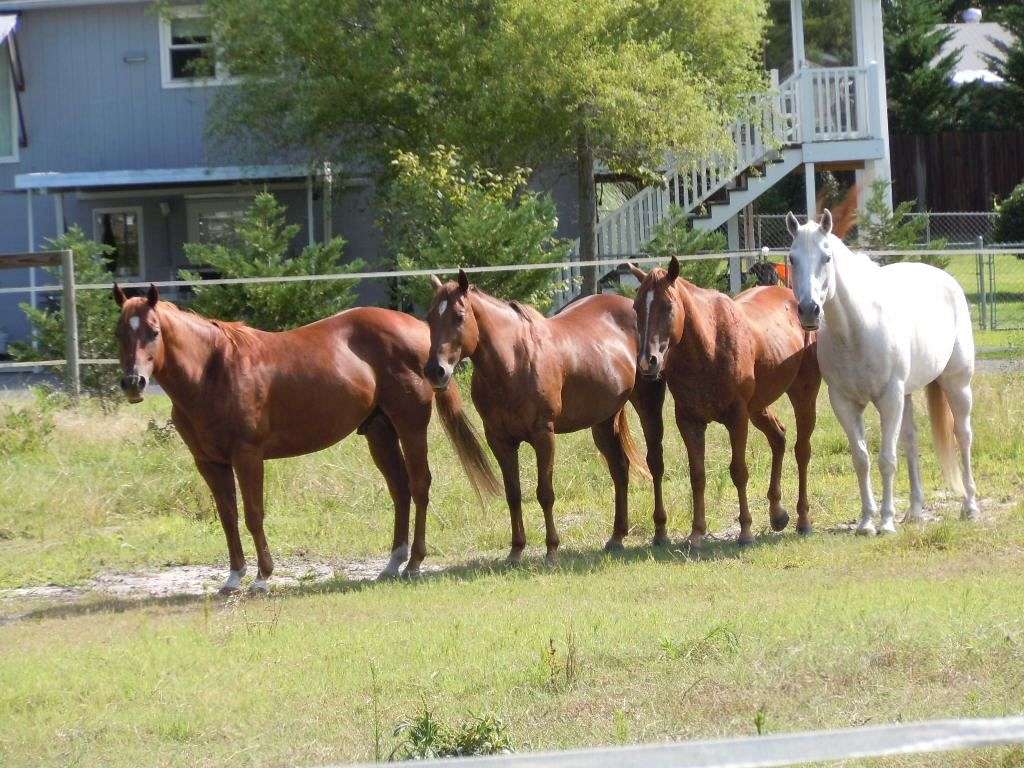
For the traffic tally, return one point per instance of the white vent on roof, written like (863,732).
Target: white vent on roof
(972,16)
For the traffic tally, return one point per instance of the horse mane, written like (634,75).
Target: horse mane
(844,215)
(525,312)
(237,333)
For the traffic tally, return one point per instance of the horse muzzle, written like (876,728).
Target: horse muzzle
(809,313)
(650,367)
(438,375)
(133,385)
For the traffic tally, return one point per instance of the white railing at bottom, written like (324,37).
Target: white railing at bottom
(774,750)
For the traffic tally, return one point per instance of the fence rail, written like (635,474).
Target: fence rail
(992,277)
(774,750)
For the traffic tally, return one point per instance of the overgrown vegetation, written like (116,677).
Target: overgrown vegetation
(425,737)
(675,236)
(97,317)
(440,211)
(263,247)
(1009,226)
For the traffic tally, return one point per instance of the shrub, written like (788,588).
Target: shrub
(675,237)
(424,737)
(440,211)
(883,228)
(97,316)
(27,428)
(1010,217)
(263,242)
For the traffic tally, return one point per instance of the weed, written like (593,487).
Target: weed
(23,430)
(562,671)
(425,737)
(718,644)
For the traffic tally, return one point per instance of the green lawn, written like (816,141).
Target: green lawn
(828,631)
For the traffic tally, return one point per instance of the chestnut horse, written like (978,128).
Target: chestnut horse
(728,360)
(535,377)
(241,396)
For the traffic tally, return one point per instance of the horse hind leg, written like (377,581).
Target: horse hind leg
(957,389)
(851,417)
(610,445)
(386,453)
(412,435)
(890,409)
(804,397)
(544,447)
(775,432)
(908,437)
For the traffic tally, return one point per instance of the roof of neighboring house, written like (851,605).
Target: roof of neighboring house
(32,5)
(57,182)
(975,39)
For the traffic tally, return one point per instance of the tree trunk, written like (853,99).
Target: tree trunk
(587,195)
(920,174)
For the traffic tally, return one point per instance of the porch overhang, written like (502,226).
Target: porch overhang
(47,182)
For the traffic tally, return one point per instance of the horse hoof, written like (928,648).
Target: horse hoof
(780,520)
(695,540)
(411,572)
(969,514)
(260,587)
(745,541)
(388,574)
(661,540)
(866,529)
(551,559)
(805,530)
(889,526)
(912,518)
(227,591)
(614,546)
(515,557)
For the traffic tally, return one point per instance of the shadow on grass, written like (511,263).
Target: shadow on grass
(576,562)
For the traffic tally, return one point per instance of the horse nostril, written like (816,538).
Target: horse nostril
(124,383)
(142,383)
(652,360)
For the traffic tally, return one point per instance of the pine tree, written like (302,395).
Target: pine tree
(1009,64)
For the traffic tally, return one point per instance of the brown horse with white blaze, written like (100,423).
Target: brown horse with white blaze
(535,377)
(727,361)
(241,396)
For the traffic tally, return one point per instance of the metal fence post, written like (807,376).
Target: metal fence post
(67,262)
(992,292)
(980,242)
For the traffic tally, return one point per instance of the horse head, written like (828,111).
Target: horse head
(140,345)
(812,270)
(453,329)
(659,318)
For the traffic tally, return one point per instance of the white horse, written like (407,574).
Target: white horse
(884,333)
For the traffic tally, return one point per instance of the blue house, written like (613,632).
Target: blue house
(103,124)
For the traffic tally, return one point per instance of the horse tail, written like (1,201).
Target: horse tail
(465,441)
(942,435)
(637,463)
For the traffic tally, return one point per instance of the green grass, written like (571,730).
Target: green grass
(1007,291)
(652,645)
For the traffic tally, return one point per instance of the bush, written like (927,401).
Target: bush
(97,317)
(28,428)
(675,237)
(1010,217)
(262,250)
(424,738)
(440,211)
(882,228)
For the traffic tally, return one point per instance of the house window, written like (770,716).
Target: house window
(121,229)
(187,49)
(8,109)
(214,221)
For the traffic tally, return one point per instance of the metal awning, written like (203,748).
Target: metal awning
(149,177)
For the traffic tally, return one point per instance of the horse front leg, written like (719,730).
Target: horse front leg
(772,428)
(221,480)
(248,464)
(804,397)
(649,401)
(851,417)
(693,433)
(387,455)
(890,409)
(506,451)
(738,426)
(544,446)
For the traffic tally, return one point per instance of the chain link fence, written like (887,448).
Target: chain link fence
(994,283)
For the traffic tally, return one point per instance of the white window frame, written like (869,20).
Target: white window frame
(137,210)
(15,157)
(220,76)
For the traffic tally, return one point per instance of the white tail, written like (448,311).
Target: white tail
(942,435)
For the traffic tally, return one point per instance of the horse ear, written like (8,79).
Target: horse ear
(152,295)
(435,282)
(826,222)
(463,281)
(638,273)
(673,269)
(119,296)
(792,224)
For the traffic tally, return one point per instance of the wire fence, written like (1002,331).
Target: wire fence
(992,278)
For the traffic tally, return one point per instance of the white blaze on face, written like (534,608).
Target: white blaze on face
(442,307)
(134,323)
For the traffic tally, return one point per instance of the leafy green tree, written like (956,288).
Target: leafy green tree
(676,237)
(1009,64)
(922,96)
(441,211)
(1010,217)
(97,316)
(263,250)
(512,82)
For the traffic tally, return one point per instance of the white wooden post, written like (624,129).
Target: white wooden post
(796,26)
(869,47)
(67,263)
(310,218)
(810,192)
(732,229)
